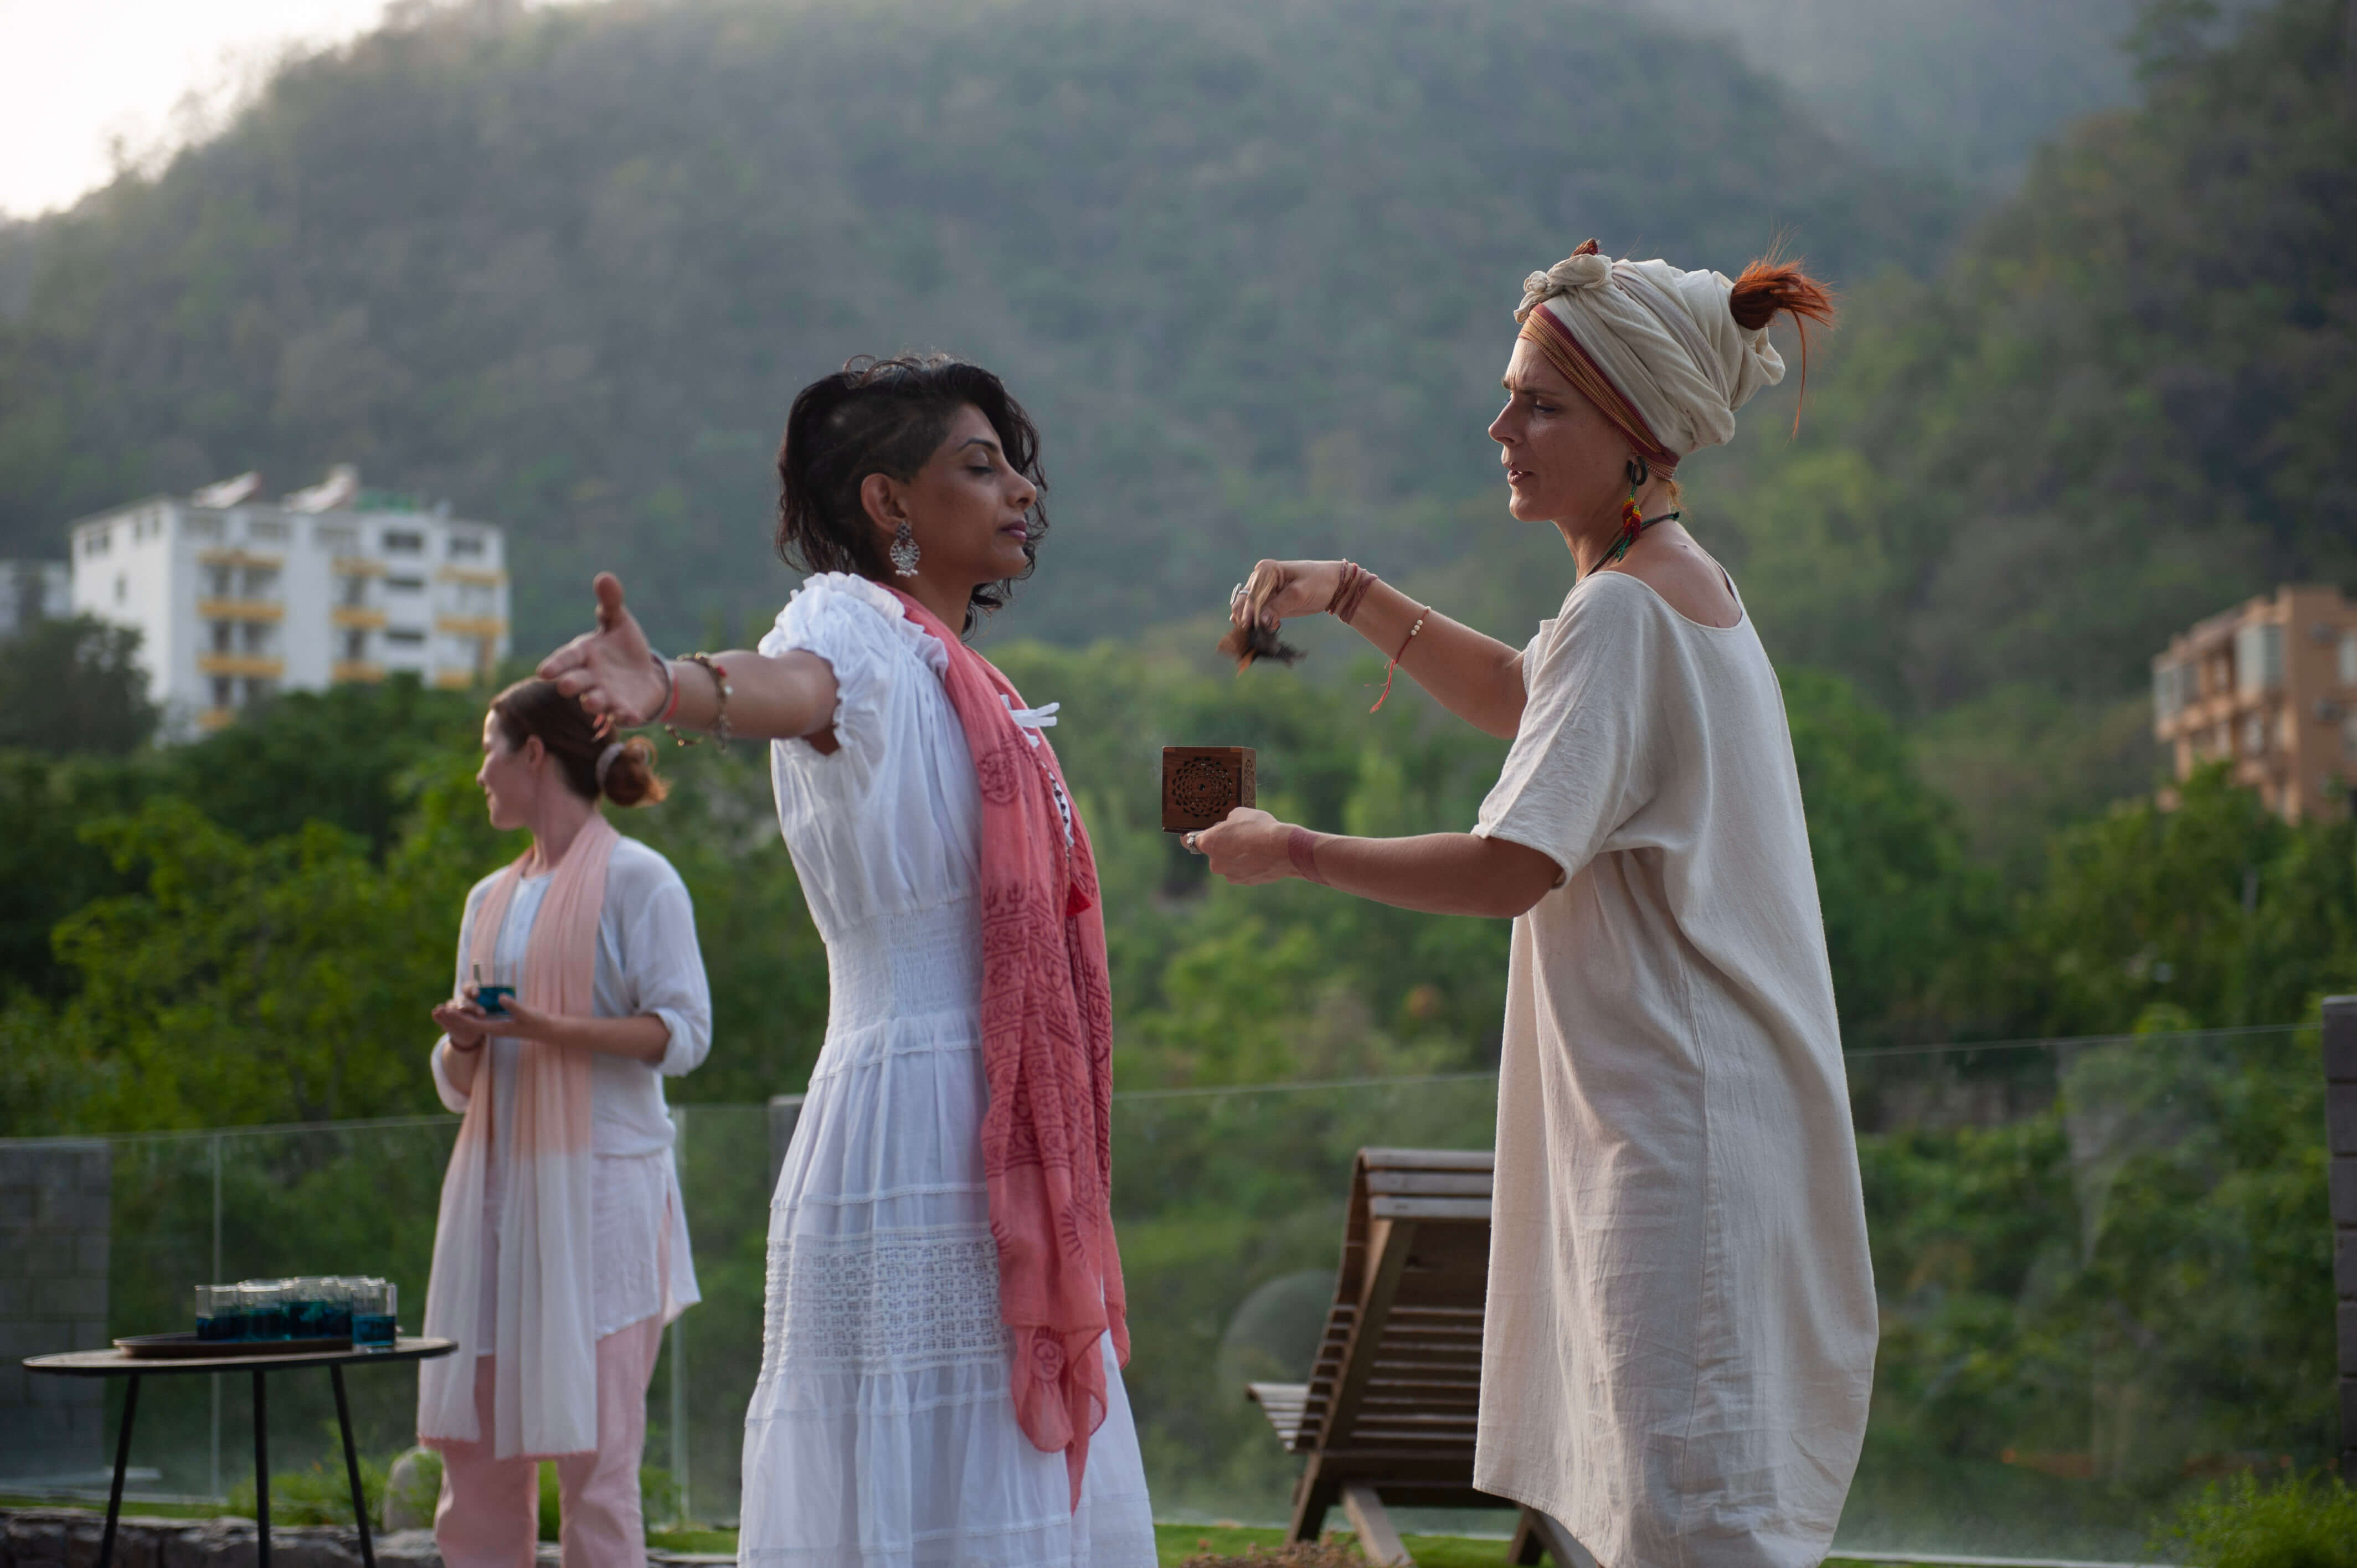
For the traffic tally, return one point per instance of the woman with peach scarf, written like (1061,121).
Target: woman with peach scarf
(1680,1333)
(940,1379)
(560,1250)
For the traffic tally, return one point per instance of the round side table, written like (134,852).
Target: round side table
(112,1363)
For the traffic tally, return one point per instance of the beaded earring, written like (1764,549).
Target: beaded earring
(904,551)
(1632,520)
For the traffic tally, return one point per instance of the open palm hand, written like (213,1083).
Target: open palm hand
(612,671)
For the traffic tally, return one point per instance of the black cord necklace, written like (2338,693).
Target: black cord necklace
(1628,537)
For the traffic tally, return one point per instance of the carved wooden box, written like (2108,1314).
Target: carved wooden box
(1201,784)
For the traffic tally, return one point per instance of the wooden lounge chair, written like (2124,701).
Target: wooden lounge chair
(1388,1413)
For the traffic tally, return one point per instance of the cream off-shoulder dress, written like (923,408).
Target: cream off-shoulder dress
(882,1432)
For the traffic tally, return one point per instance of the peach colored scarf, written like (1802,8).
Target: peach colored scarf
(1047,1054)
(546,1336)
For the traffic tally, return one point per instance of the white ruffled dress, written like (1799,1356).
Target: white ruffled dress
(882,1432)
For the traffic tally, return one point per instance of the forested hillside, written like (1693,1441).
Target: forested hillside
(1249,259)
(1251,262)
(1967,87)
(2125,404)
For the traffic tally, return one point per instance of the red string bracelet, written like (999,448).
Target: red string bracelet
(1421,616)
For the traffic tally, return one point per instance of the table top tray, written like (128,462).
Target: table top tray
(185,1346)
(111,1362)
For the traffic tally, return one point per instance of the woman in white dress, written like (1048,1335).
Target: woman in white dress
(562,1249)
(939,1381)
(1680,1336)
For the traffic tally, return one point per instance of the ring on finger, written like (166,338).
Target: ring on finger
(1189,842)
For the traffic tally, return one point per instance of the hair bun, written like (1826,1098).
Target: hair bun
(627,773)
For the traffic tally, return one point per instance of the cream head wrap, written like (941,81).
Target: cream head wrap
(1656,341)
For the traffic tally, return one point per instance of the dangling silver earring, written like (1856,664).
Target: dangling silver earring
(904,551)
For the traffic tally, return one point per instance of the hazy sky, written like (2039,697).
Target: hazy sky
(78,74)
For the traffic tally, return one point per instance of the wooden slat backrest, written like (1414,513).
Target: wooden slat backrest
(1400,1360)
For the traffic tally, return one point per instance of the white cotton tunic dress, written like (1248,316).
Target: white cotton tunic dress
(882,1432)
(1680,1339)
(648,963)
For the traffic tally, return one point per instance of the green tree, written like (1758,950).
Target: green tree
(2120,407)
(74,687)
(2215,911)
(49,867)
(351,756)
(281,981)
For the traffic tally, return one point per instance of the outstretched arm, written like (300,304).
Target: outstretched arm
(1437,873)
(1474,676)
(614,672)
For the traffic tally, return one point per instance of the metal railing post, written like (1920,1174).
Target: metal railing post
(2341,1156)
(679,1345)
(214,1485)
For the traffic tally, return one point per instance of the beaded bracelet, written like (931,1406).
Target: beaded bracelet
(720,685)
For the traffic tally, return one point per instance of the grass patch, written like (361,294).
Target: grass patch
(132,1508)
(698,1540)
(2307,1521)
(1175,1544)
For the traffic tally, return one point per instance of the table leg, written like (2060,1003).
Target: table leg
(122,1461)
(352,1468)
(261,1471)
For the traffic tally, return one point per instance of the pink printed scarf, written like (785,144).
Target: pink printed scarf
(544,1399)
(1047,1054)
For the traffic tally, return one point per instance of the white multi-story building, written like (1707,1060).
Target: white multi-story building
(235,598)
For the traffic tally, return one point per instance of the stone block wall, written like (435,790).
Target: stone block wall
(69,1538)
(55,1201)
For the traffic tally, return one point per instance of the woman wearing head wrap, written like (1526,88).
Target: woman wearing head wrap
(1680,1337)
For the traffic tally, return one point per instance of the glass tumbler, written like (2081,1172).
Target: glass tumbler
(375,1309)
(307,1307)
(266,1308)
(220,1313)
(336,1306)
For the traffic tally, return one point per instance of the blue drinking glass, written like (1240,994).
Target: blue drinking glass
(266,1308)
(375,1320)
(221,1314)
(336,1306)
(311,1311)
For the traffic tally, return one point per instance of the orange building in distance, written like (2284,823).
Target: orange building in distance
(2272,685)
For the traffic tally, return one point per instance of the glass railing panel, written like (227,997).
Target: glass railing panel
(2102,1267)
(2105,1281)
(695,1422)
(349,1198)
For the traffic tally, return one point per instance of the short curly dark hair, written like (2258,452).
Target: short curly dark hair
(888,416)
